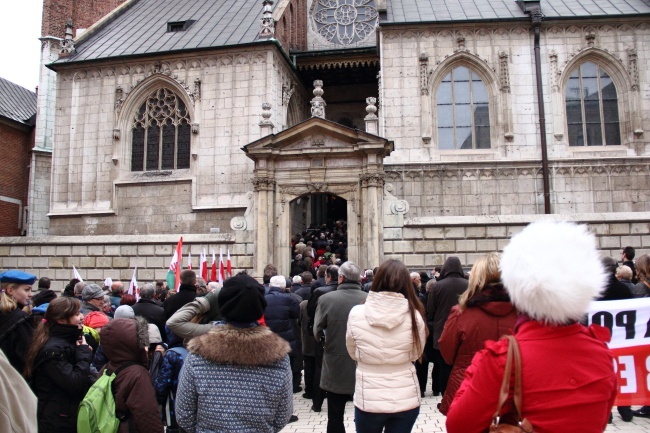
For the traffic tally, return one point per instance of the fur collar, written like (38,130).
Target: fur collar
(226,344)
(494,292)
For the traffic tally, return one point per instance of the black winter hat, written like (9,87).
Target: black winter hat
(242,299)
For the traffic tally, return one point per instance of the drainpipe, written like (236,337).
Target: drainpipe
(534,9)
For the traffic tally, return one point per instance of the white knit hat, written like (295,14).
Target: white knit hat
(552,271)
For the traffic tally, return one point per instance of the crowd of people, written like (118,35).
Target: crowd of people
(230,358)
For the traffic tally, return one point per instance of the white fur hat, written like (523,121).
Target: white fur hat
(552,271)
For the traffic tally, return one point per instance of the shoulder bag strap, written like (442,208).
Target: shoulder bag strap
(516,356)
(505,384)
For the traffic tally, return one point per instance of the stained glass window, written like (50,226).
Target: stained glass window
(160,138)
(592,107)
(463,111)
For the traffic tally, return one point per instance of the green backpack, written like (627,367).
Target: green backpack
(97,409)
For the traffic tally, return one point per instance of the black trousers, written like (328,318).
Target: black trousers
(310,367)
(336,412)
(296,370)
(318,395)
(422,371)
(441,372)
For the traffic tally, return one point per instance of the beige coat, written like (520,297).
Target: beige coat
(379,338)
(17,401)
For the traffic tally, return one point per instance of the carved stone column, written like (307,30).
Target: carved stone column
(372,252)
(264,192)
(426,130)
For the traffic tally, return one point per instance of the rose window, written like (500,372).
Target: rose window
(345,22)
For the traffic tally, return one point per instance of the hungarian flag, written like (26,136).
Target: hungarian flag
(228,266)
(189,261)
(213,268)
(76,274)
(203,265)
(174,273)
(222,270)
(133,286)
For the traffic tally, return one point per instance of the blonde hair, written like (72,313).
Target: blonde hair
(484,271)
(624,272)
(7,303)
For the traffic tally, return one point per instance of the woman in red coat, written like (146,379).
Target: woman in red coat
(552,271)
(484,312)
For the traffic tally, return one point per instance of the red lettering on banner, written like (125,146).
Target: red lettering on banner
(633,374)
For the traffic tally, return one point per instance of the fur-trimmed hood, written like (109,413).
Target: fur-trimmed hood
(227,344)
(553,271)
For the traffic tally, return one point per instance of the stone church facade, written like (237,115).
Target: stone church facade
(218,118)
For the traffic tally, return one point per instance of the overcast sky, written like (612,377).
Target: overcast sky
(20,50)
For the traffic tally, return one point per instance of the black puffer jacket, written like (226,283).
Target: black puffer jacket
(281,315)
(444,295)
(61,379)
(15,337)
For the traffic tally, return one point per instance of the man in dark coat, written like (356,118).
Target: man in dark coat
(186,294)
(281,315)
(147,308)
(320,278)
(338,369)
(628,260)
(304,291)
(331,283)
(442,297)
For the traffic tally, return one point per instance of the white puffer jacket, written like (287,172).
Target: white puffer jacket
(379,338)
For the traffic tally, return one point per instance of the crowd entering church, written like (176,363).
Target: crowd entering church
(230,357)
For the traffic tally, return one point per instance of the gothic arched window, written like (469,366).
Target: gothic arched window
(161,133)
(463,115)
(592,107)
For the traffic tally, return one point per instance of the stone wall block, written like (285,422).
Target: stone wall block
(423,246)
(599,229)
(393,220)
(112,250)
(129,250)
(410,233)
(454,232)
(431,260)
(487,245)
(95,250)
(55,262)
(513,230)
(160,274)
(461,256)
(399,257)
(471,258)
(79,250)
(250,250)
(96,276)
(466,245)
(25,262)
(639,228)
(392,233)
(413,260)
(146,250)
(121,262)
(17,250)
(40,262)
(164,250)
(619,229)
(156,262)
(32,250)
(609,242)
(244,236)
(388,247)
(243,262)
(46,250)
(145,275)
(237,249)
(63,250)
(87,262)
(104,262)
(5,250)
(475,232)
(633,241)
(445,246)
(434,233)
(496,231)
(645,241)
(141,262)
(502,243)
(62,274)
(403,247)
(125,275)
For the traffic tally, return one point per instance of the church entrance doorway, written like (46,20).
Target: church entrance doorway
(322,220)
